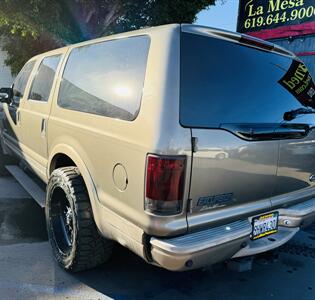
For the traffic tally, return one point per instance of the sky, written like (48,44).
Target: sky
(222,15)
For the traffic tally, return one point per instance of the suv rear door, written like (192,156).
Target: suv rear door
(35,112)
(296,171)
(233,103)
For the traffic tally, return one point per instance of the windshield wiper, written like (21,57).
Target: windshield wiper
(292,114)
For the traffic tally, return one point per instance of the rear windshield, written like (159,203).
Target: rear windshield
(224,82)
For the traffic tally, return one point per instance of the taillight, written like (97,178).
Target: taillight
(164,184)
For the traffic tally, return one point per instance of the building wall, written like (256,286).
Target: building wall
(6,78)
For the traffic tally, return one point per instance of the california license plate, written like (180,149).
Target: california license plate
(264,225)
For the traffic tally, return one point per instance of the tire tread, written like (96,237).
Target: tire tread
(91,249)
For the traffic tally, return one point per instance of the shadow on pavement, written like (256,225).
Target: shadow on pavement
(275,275)
(21,221)
(126,276)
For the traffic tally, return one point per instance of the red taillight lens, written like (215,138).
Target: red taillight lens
(164,184)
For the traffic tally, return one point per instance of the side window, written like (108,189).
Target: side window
(44,79)
(106,78)
(20,82)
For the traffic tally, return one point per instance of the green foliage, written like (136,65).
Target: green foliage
(35,26)
(145,13)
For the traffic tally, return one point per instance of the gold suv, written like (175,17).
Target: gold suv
(188,145)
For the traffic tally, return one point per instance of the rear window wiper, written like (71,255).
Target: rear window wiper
(292,114)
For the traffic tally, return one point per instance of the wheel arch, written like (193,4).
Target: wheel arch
(60,160)
(68,152)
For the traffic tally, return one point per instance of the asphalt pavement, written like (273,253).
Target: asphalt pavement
(28,270)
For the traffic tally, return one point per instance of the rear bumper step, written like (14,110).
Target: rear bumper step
(199,249)
(298,215)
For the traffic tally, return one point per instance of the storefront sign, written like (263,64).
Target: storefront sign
(257,15)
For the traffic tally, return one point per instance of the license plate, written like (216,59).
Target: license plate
(264,225)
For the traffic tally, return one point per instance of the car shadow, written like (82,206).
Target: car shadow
(126,276)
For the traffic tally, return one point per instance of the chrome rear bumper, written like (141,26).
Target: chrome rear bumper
(298,215)
(202,248)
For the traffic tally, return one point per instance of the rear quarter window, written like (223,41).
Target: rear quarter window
(106,78)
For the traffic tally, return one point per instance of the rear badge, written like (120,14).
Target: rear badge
(210,202)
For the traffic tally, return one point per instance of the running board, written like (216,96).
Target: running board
(28,184)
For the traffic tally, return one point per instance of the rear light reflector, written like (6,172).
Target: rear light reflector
(164,184)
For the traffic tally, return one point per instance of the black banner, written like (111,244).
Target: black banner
(256,15)
(298,81)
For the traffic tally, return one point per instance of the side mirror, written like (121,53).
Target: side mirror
(6,95)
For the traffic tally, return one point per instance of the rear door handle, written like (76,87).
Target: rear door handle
(292,131)
(43,128)
(18,117)
(252,132)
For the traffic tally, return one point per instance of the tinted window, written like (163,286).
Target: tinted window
(106,78)
(21,82)
(224,82)
(44,79)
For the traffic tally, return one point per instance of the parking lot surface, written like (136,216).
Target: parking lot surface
(28,270)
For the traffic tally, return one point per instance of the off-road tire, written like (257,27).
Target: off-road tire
(88,249)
